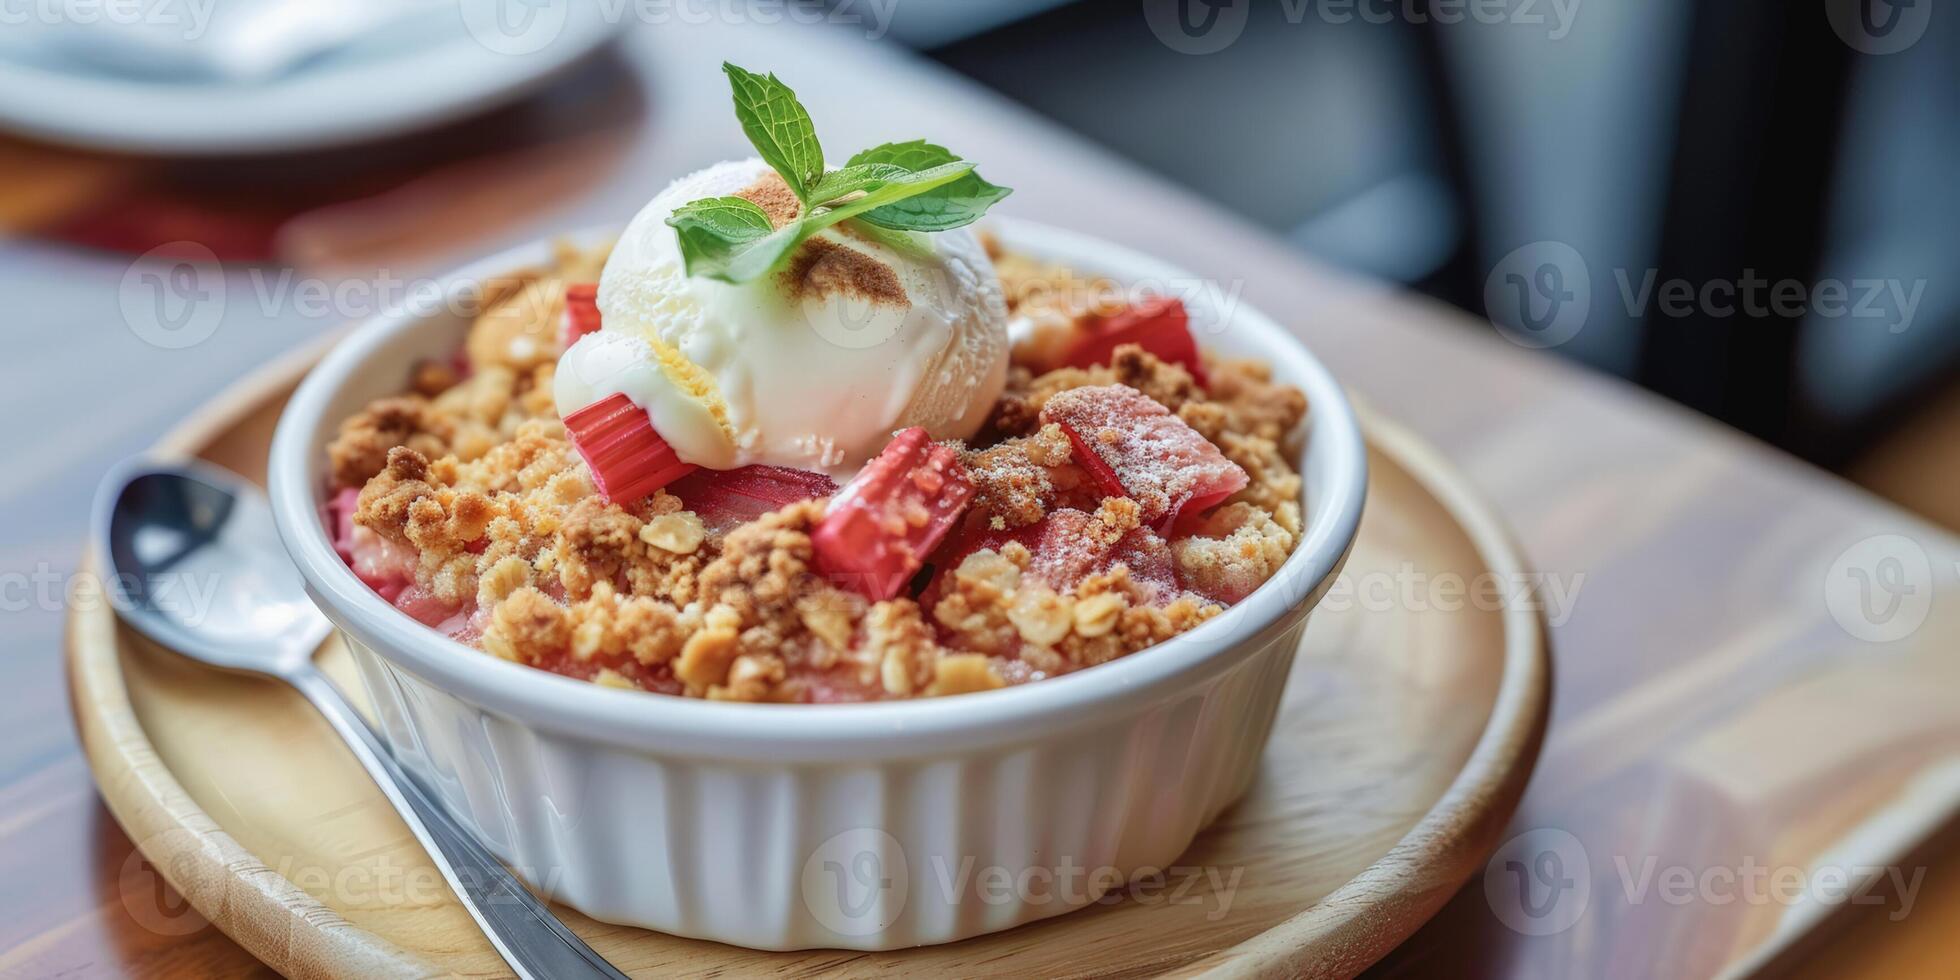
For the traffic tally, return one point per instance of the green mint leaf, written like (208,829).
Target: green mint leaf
(953,205)
(852,179)
(730,238)
(779,127)
(914,155)
(730,218)
(892,190)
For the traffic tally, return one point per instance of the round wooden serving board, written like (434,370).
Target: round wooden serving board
(1411,722)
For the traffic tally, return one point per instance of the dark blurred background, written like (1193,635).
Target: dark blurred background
(1744,144)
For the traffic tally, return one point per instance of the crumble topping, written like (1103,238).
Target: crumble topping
(1237,548)
(465,420)
(1013,479)
(468,506)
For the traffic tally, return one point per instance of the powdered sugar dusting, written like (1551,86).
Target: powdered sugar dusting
(1012,481)
(1159,461)
(1074,545)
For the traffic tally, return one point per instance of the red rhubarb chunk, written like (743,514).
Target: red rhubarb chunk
(581,311)
(627,458)
(876,532)
(727,499)
(1159,325)
(387,567)
(1070,546)
(1129,445)
(422,606)
(341,508)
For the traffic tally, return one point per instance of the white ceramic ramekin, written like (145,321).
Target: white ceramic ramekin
(869,826)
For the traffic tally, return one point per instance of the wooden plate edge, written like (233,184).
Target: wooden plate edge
(1458,834)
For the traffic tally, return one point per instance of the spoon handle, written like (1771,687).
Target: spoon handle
(529,937)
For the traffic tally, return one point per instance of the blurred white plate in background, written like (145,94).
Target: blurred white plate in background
(63,83)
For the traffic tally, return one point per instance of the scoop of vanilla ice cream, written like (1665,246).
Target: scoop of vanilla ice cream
(813,366)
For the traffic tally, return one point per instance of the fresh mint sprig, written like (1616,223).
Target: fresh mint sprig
(731,238)
(906,187)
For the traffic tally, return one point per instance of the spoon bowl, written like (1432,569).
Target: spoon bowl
(196,565)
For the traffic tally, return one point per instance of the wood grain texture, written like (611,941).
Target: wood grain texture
(1698,655)
(1406,737)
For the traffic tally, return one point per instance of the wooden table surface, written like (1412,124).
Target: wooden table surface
(1748,699)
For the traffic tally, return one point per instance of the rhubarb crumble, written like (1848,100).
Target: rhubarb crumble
(1103,508)
(801,436)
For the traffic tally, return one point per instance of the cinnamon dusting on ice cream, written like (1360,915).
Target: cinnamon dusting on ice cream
(774,198)
(822,267)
